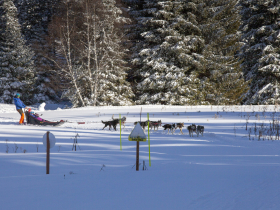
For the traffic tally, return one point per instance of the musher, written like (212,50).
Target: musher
(19,106)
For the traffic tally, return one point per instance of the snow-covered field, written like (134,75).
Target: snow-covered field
(225,169)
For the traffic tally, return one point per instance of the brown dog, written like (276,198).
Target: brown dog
(180,126)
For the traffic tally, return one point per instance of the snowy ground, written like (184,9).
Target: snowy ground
(223,169)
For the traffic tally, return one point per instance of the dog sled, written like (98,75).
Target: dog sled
(34,119)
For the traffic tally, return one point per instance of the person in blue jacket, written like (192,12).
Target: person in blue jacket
(19,106)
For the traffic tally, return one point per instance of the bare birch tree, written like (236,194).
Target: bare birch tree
(63,32)
(90,54)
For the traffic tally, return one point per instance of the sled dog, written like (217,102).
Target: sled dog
(191,129)
(123,119)
(180,126)
(110,124)
(199,130)
(169,127)
(142,124)
(155,124)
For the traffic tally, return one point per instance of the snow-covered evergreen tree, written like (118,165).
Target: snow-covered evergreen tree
(113,89)
(168,52)
(261,50)
(34,17)
(16,64)
(184,53)
(221,73)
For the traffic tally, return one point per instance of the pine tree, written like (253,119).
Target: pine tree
(221,73)
(168,52)
(16,64)
(261,50)
(113,87)
(34,17)
(185,52)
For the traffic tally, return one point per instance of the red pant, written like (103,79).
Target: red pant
(22,116)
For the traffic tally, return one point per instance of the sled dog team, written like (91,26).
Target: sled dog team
(191,128)
(155,125)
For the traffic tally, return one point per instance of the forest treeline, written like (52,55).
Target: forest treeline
(125,52)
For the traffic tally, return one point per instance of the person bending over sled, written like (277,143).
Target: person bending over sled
(19,106)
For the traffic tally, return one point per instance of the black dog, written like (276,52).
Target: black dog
(111,123)
(123,119)
(169,127)
(192,129)
(155,124)
(199,130)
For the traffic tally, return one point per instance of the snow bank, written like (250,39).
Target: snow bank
(7,108)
